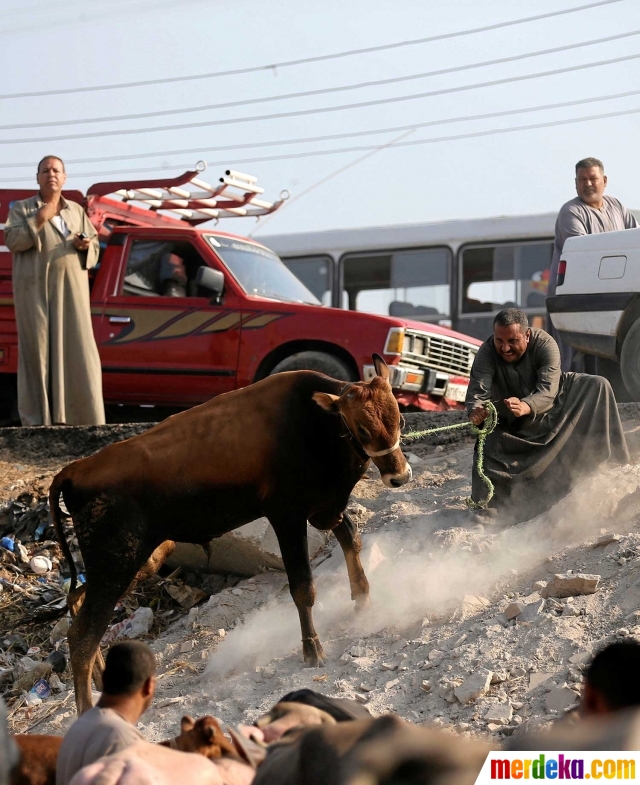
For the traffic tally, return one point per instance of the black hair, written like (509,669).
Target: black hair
(614,674)
(127,667)
(587,163)
(46,158)
(512,316)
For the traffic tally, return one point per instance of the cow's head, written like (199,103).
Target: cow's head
(371,416)
(205,737)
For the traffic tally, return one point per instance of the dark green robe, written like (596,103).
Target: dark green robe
(574,426)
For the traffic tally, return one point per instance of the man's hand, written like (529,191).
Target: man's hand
(517,407)
(81,243)
(478,415)
(47,212)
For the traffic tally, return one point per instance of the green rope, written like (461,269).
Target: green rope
(482,433)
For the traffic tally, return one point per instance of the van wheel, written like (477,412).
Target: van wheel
(315,361)
(630,361)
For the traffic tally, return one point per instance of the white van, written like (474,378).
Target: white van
(596,308)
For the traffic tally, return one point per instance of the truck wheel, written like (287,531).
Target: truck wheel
(8,400)
(610,369)
(630,361)
(315,361)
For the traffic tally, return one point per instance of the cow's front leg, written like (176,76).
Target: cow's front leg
(349,538)
(292,538)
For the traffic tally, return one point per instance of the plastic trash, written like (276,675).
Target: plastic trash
(135,626)
(8,543)
(58,661)
(40,564)
(41,530)
(60,630)
(41,688)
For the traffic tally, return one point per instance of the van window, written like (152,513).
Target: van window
(315,272)
(415,283)
(505,276)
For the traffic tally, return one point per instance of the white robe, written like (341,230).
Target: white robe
(59,371)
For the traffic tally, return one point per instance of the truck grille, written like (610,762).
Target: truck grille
(439,353)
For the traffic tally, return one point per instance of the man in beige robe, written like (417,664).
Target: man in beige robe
(53,245)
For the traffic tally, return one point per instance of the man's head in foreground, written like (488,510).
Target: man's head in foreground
(591,181)
(612,683)
(511,334)
(129,679)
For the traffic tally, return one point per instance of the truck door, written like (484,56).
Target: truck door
(161,339)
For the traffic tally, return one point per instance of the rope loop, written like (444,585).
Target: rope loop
(481,432)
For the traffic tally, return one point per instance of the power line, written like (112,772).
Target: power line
(323,90)
(314,59)
(323,109)
(344,135)
(337,151)
(330,176)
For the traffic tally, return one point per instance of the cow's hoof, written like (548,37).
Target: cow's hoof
(312,651)
(363,603)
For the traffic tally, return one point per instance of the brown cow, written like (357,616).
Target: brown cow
(203,736)
(38,758)
(290,448)
(39,754)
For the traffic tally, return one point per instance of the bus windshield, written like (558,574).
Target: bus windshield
(260,271)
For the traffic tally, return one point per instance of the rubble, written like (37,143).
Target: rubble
(570,584)
(475,686)
(499,713)
(560,699)
(607,539)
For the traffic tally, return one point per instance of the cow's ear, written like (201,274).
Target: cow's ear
(382,369)
(186,723)
(327,401)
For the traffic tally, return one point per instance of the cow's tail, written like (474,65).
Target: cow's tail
(59,481)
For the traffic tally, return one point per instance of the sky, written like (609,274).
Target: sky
(74,45)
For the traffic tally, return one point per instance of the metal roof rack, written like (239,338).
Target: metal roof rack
(235,196)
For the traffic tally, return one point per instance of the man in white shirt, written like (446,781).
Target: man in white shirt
(129,684)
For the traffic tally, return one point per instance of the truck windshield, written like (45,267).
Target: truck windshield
(259,271)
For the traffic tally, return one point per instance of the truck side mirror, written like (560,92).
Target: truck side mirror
(213,280)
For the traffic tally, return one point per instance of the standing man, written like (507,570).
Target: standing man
(53,245)
(591,212)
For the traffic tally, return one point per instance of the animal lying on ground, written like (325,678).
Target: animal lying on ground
(303,708)
(290,448)
(38,757)
(367,752)
(39,754)
(203,736)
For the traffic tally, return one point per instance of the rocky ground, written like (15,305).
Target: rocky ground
(468,628)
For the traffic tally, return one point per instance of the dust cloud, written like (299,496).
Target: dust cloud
(417,570)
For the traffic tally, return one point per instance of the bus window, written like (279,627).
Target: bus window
(505,276)
(315,272)
(412,283)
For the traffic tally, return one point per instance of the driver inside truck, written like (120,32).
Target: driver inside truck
(172,276)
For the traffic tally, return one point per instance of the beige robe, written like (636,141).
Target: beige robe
(59,372)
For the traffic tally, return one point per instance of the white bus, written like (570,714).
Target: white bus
(455,273)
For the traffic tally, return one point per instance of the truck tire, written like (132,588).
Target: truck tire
(630,361)
(8,400)
(610,369)
(315,361)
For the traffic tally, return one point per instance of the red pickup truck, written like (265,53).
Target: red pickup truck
(181,314)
